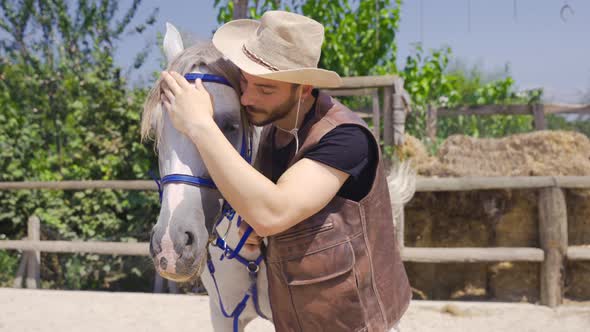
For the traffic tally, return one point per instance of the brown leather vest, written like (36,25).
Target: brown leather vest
(340,269)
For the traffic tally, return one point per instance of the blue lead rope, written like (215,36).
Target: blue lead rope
(252,266)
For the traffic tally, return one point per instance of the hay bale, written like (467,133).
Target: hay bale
(460,282)
(422,277)
(419,234)
(447,220)
(578,215)
(514,281)
(424,163)
(532,154)
(448,281)
(495,218)
(576,282)
(415,150)
(517,222)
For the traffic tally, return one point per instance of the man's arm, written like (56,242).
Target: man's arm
(303,190)
(269,208)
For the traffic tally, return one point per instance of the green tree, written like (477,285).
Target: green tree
(67,114)
(359,35)
(430,82)
(360,40)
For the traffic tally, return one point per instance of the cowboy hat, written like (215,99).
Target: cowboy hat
(282,46)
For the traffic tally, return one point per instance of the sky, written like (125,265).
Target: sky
(540,48)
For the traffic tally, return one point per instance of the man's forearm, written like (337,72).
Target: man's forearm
(253,196)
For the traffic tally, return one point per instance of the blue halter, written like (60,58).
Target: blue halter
(191,77)
(245,152)
(199,181)
(227,211)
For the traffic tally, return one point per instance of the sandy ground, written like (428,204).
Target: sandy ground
(64,311)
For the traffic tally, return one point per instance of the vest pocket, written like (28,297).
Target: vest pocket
(324,290)
(305,232)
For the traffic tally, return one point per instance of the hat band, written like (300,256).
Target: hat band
(258,59)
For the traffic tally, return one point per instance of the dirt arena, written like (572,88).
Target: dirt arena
(64,311)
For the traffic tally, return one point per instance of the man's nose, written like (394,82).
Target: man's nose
(246,99)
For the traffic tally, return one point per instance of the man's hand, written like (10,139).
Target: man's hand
(187,105)
(253,241)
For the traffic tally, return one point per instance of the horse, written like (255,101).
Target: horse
(190,232)
(196,227)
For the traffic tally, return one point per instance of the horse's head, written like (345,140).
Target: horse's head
(179,238)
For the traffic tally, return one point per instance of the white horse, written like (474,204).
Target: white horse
(182,244)
(189,212)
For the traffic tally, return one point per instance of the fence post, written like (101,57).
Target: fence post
(539,115)
(21,271)
(399,229)
(401,105)
(240,9)
(387,116)
(158,283)
(172,287)
(399,119)
(376,116)
(553,239)
(431,122)
(33,257)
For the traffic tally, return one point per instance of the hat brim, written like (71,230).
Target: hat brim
(229,40)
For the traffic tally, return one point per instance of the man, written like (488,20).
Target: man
(321,199)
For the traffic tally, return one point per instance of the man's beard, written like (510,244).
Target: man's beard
(280,112)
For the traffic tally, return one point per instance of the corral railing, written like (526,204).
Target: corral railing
(391,116)
(552,255)
(553,222)
(538,111)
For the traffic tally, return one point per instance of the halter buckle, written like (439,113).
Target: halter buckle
(252,267)
(213,238)
(227,253)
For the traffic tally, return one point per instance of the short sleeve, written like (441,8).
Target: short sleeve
(346,148)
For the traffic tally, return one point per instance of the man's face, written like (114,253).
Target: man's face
(266,101)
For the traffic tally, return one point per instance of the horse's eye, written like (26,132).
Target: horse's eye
(230,127)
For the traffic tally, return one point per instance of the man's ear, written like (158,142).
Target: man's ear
(172,42)
(306,93)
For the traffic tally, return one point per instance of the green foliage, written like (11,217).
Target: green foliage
(67,114)
(430,83)
(97,272)
(9,263)
(359,35)
(580,124)
(360,40)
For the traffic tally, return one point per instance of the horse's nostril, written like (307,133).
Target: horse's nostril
(189,238)
(163,263)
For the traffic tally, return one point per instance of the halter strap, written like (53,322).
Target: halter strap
(191,77)
(188,179)
(198,181)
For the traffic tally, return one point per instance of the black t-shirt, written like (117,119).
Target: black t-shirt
(347,148)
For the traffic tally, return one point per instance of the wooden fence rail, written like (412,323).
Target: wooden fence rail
(422,183)
(538,111)
(552,255)
(391,115)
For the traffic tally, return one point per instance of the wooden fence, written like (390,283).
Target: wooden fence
(396,104)
(538,111)
(552,255)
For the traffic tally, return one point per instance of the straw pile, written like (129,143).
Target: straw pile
(494,218)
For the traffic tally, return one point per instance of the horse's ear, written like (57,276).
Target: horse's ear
(172,42)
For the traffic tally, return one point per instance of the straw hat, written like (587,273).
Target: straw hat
(282,46)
